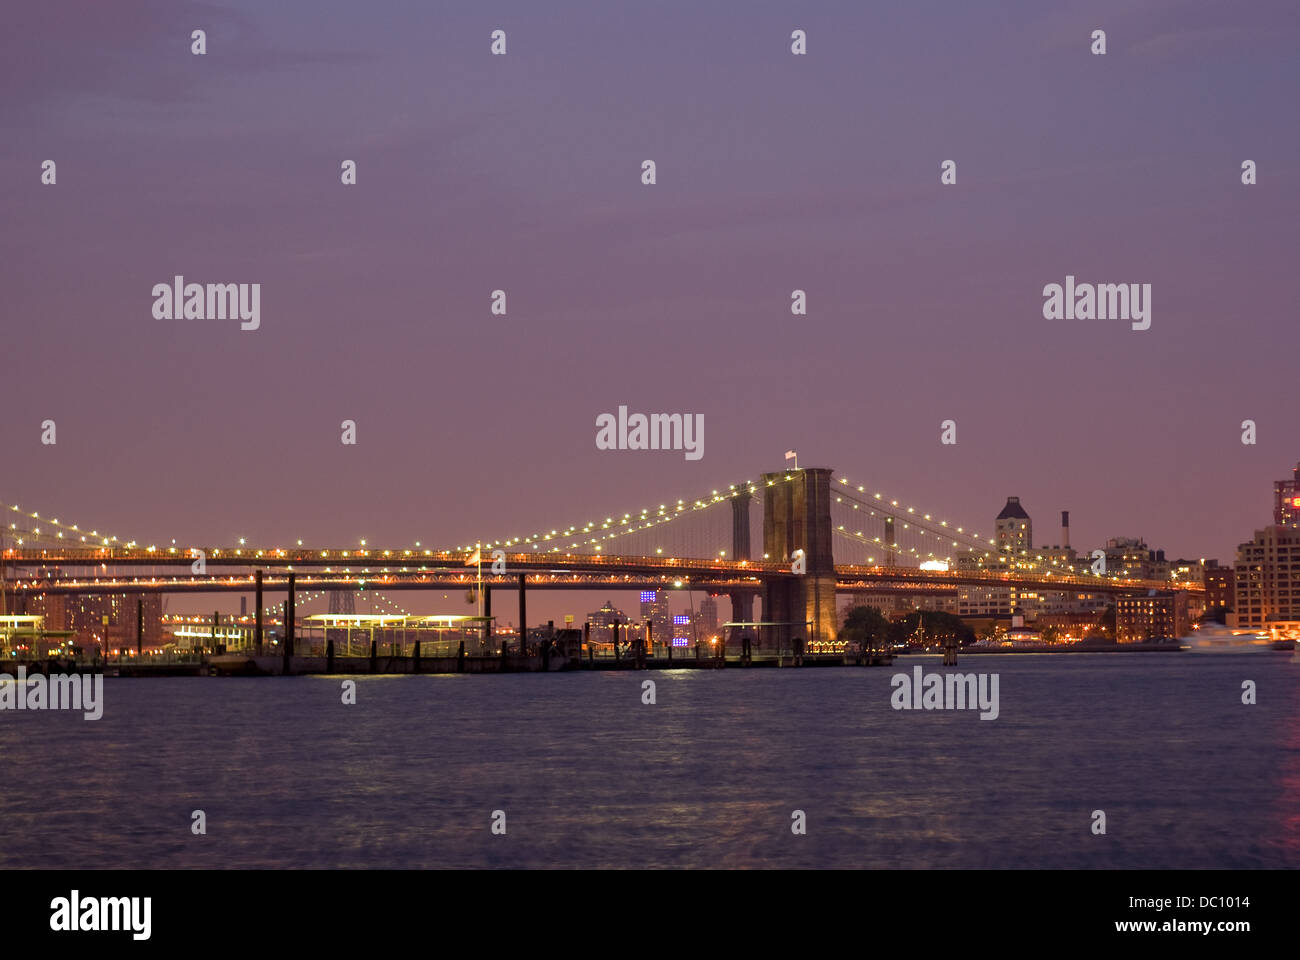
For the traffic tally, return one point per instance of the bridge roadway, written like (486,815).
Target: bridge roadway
(429,569)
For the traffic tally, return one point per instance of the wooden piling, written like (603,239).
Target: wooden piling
(257,615)
(523,620)
(290,615)
(286,643)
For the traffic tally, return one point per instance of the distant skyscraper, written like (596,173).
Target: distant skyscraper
(602,619)
(654,610)
(1015,531)
(706,617)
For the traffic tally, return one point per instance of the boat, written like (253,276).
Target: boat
(1216,638)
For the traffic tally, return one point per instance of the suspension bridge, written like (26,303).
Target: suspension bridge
(820,536)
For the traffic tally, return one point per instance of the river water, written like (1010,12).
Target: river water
(587,775)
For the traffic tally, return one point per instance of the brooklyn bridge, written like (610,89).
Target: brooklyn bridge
(821,537)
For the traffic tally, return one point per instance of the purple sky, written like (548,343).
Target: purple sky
(522,172)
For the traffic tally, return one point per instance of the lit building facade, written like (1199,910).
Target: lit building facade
(1015,531)
(1220,588)
(1267,575)
(1286,501)
(604,618)
(654,611)
(1160,615)
(111,618)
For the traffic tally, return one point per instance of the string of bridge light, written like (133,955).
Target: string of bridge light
(1002,558)
(303,598)
(877,501)
(392,605)
(910,526)
(60,529)
(635,523)
(1022,561)
(877,542)
(73,532)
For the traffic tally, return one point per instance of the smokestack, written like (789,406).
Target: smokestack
(1065,529)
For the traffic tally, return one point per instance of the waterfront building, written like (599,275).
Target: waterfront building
(1267,578)
(1159,615)
(111,618)
(1220,588)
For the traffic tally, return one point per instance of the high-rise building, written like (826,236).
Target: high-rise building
(601,620)
(1286,501)
(654,611)
(706,617)
(1267,573)
(1015,531)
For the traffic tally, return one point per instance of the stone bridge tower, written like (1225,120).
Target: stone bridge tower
(797,516)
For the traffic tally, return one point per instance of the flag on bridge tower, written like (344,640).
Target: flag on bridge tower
(791,455)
